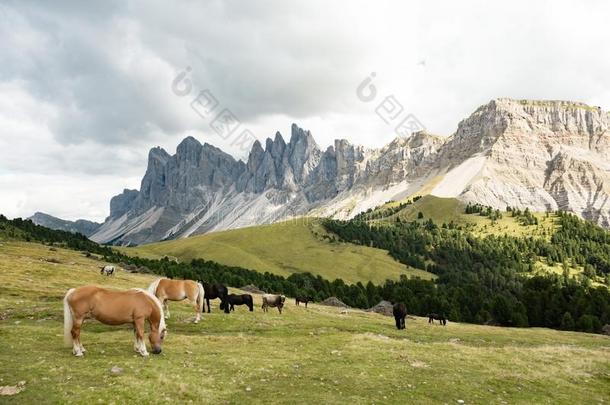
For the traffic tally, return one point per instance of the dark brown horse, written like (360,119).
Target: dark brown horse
(213,291)
(303,298)
(239,299)
(440,318)
(400,313)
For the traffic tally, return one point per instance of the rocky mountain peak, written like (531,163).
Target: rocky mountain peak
(255,156)
(304,153)
(189,150)
(522,153)
(120,204)
(279,139)
(158,154)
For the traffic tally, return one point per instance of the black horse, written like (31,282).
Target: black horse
(440,318)
(213,291)
(400,313)
(303,298)
(239,299)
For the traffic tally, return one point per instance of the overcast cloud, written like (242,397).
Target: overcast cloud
(85,87)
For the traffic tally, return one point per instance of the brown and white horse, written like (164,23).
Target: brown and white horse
(177,290)
(114,307)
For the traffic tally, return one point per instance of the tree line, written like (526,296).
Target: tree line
(491,279)
(479,280)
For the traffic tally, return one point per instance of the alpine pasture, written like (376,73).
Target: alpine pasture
(304,355)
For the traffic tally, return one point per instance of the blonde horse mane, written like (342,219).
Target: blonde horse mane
(68,319)
(152,288)
(156,301)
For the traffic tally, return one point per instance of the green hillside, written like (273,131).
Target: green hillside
(314,355)
(284,248)
(447,210)
(304,245)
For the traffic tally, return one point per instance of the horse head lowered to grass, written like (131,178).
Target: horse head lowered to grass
(113,307)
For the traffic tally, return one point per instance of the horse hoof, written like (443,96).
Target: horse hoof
(79,354)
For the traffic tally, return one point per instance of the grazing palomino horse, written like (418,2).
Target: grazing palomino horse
(178,290)
(108,270)
(241,299)
(114,307)
(273,300)
(400,313)
(304,299)
(440,318)
(213,291)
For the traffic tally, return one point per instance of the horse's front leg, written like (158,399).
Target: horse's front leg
(207,300)
(139,345)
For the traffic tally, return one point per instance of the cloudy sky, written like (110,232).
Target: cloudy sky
(87,88)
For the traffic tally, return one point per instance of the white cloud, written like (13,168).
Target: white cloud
(85,88)
(65,196)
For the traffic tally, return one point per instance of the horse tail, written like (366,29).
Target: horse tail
(152,288)
(68,319)
(200,297)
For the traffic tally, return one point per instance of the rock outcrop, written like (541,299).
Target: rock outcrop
(536,154)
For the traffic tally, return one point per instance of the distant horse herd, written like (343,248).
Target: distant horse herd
(139,306)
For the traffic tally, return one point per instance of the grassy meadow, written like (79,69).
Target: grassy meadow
(284,248)
(446,210)
(314,355)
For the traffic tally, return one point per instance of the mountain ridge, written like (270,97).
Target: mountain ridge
(532,154)
(82,226)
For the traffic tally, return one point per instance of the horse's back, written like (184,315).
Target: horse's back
(84,293)
(176,289)
(110,306)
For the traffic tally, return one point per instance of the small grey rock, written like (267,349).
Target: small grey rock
(116,370)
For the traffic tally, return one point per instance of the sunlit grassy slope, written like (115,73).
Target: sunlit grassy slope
(300,245)
(285,248)
(446,210)
(315,355)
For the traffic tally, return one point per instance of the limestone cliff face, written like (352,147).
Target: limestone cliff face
(537,154)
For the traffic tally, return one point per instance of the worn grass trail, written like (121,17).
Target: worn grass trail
(302,356)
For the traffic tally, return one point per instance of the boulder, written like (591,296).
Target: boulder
(334,302)
(383,308)
(251,288)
